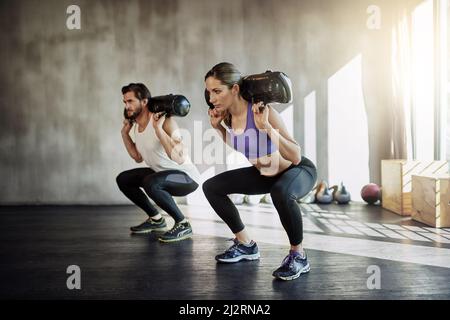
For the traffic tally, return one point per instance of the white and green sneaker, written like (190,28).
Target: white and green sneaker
(180,231)
(150,225)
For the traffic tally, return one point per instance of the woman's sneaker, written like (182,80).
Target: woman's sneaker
(239,251)
(150,225)
(180,231)
(292,266)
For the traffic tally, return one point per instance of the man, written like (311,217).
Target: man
(170,172)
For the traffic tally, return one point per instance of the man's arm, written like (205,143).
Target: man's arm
(129,144)
(171,140)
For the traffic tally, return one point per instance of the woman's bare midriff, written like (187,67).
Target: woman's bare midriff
(271,165)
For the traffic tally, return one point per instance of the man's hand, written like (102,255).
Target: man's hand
(127,125)
(158,120)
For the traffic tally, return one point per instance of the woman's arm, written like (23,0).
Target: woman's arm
(216,122)
(270,121)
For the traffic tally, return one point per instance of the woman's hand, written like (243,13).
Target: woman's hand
(261,116)
(215,118)
(157,120)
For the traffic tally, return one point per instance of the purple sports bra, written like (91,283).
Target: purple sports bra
(252,142)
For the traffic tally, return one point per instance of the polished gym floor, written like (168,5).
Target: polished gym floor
(344,244)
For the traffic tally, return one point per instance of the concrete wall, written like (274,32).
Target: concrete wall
(60,89)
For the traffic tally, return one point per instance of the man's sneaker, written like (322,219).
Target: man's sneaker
(150,225)
(180,231)
(292,267)
(239,251)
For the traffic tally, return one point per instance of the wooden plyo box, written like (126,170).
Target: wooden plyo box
(430,200)
(396,176)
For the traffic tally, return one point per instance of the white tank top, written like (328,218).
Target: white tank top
(154,155)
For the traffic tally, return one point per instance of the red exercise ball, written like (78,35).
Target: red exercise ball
(371,193)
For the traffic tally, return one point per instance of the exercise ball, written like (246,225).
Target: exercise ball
(371,193)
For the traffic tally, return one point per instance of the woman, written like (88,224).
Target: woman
(169,173)
(277,168)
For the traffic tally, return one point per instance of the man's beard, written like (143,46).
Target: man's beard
(134,115)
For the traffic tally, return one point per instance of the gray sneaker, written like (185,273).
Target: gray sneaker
(180,231)
(150,225)
(292,267)
(239,251)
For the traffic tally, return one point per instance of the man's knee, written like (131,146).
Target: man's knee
(122,179)
(151,185)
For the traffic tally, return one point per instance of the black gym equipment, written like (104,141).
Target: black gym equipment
(170,105)
(268,87)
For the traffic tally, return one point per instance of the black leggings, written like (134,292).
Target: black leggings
(159,186)
(285,188)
